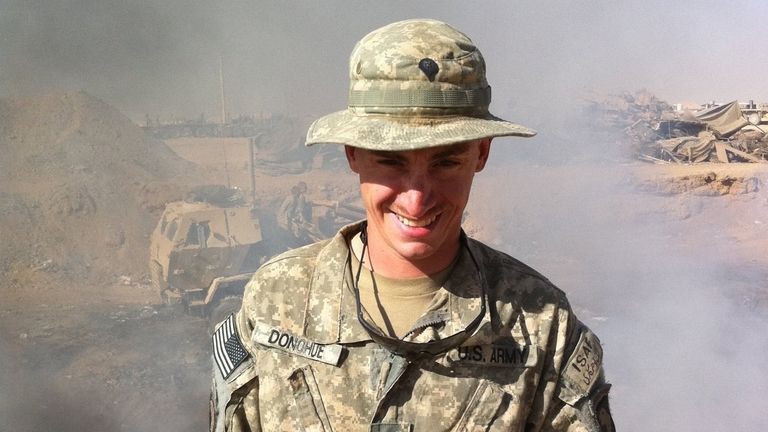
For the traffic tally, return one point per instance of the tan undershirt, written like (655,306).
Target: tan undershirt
(394,304)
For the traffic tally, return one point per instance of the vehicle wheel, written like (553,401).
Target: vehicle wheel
(223,308)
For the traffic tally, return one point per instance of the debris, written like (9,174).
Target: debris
(147,312)
(690,149)
(724,120)
(657,132)
(47,266)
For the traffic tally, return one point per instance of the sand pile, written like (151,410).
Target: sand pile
(81,187)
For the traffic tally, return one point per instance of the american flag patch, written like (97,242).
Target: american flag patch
(228,352)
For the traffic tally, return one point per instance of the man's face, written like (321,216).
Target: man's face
(414,202)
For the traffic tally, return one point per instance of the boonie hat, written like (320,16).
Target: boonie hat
(414,84)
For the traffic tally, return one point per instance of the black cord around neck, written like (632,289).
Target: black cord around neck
(364,233)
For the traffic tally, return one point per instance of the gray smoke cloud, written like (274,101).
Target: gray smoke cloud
(684,341)
(682,352)
(156,57)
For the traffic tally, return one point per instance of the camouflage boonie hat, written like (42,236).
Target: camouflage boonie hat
(414,84)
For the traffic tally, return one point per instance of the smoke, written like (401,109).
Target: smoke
(688,359)
(162,58)
(651,275)
(132,54)
(660,279)
(113,368)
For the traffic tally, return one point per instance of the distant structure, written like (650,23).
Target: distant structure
(242,126)
(223,98)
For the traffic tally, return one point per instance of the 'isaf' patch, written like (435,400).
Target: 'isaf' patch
(514,356)
(583,368)
(277,338)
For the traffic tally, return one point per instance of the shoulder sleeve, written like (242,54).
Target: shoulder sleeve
(234,391)
(581,395)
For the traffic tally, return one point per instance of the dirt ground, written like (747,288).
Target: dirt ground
(86,345)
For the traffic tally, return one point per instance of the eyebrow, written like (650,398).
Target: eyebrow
(453,150)
(387,154)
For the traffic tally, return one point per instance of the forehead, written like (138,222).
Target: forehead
(457,149)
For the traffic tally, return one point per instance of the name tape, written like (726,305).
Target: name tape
(290,343)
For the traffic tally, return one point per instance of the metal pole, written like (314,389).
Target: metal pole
(226,167)
(252,151)
(223,99)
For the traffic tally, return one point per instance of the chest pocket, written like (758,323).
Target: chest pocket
(309,405)
(310,410)
(484,408)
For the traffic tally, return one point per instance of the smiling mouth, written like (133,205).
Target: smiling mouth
(416,223)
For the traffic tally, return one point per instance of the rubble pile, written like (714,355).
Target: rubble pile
(657,132)
(627,110)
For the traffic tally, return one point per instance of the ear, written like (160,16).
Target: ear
(484,148)
(349,151)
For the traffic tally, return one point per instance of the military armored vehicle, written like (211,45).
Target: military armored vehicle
(205,249)
(202,254)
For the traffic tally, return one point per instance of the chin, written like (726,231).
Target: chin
(416,252)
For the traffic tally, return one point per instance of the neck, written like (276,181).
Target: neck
(380,258)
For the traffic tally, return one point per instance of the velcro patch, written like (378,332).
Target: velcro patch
(228,351)
(582,369)
(513,356)
(280,339)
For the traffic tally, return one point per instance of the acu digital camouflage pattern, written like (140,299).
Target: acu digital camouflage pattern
(514,373)
(394,104)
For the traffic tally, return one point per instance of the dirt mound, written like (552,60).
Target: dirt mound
(80,189)
(75,134)
(706,179)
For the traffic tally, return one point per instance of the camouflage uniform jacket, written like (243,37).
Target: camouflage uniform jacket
(296,357)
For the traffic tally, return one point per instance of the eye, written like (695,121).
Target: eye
(447,163)
(390,162)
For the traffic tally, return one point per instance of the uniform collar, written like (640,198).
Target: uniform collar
(331,315)
(457,303)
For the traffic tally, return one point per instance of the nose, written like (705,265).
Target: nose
(416,198)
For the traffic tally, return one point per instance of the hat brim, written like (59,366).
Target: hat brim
(380,132)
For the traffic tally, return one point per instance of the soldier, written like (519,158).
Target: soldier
(292,214)
(401,322)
